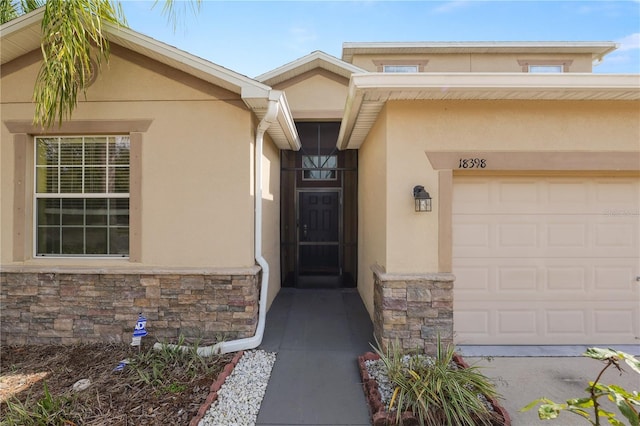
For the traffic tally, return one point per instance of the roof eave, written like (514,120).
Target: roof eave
(368,93)
(283,132)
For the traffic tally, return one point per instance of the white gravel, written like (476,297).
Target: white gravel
(240,396)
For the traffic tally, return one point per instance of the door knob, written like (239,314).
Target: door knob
(304,231)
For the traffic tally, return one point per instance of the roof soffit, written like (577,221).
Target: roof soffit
(368,93)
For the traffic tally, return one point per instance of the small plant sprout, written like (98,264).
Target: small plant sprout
(628,403)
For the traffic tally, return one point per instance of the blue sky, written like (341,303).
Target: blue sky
(253,37)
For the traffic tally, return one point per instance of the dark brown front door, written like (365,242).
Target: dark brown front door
(319,232)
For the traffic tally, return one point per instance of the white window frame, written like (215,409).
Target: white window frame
(78,196)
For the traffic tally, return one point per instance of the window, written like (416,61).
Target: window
(404,65)
(82,196)
(399,68)
(313,165)
(545,68)
(545,65)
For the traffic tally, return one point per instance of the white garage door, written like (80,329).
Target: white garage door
(546,260)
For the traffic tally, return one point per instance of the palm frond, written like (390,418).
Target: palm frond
(71,30)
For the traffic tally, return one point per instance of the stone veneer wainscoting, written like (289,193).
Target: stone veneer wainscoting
(413,309)
(73,306)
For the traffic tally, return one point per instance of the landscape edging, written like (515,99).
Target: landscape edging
(215,387)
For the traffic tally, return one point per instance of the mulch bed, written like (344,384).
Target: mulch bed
(379,414)
(114,398)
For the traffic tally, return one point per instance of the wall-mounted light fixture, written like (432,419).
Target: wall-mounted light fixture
(422,199)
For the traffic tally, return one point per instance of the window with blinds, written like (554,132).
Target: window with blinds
(82,196)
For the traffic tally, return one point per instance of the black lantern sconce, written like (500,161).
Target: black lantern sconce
(422,199)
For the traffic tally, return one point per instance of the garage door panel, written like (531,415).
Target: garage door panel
(566,322)
(561,270)
(473,235)
(617,278)
(567,235)
(521,235)
(521,278)
(616,235)
(566,278)
(614,321)
(473,323)
(473,279)
(523,322)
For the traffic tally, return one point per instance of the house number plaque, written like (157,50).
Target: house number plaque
(472,163)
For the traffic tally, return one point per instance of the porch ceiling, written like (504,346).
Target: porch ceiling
(368,93)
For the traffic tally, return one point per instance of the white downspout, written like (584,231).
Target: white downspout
(254,341)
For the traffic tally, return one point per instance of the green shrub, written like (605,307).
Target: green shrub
(436,390)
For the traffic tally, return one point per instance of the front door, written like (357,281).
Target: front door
(319,232)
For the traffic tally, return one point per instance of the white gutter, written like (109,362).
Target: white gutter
(254,341)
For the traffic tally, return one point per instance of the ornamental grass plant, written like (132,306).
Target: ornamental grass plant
(436,390)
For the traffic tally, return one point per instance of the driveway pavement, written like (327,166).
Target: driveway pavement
(520,380)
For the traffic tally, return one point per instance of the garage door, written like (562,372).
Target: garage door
(546,260)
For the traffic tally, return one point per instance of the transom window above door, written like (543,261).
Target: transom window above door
(313,166)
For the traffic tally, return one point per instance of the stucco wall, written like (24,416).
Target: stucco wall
(196,183)
(473,62)
(515,125)
(372,215)
(316,95)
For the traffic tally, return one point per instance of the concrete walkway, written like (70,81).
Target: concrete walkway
(318,335)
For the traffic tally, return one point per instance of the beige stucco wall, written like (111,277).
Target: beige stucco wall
(317,95)
(517,125)
(373,227)
(473,62)
(197,196)
(392,160)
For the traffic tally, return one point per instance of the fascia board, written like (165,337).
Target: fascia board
(21,22)
(285,120)
(355,97)
(185,61)
(512,82)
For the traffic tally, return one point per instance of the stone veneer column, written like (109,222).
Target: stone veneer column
(413,309)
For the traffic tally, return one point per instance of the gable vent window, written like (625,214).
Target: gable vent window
(82,196)
(545,65)
(545,68)
(400,68)
(406,65)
